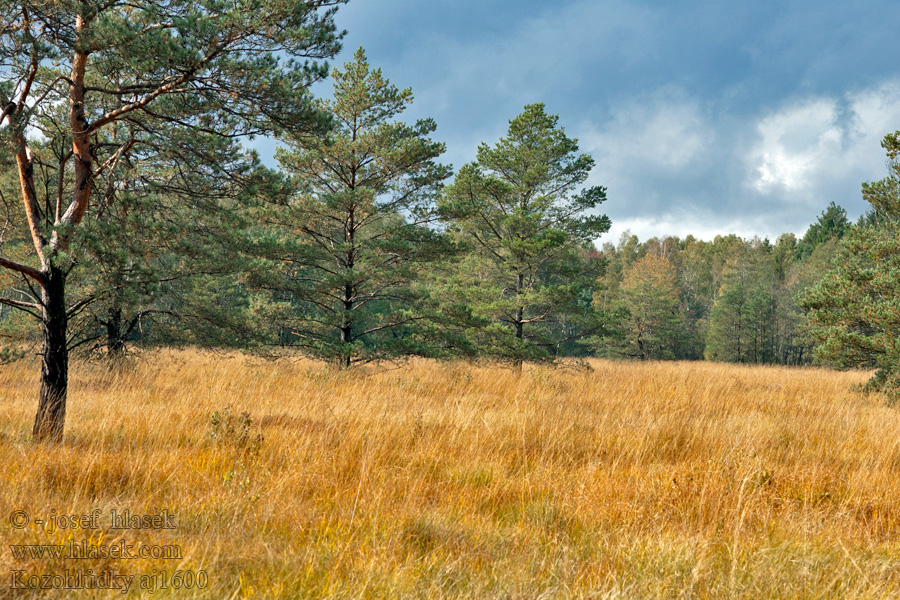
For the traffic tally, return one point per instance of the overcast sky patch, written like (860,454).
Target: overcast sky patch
(703,116)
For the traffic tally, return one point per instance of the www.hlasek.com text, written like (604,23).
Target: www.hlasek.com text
(73,550)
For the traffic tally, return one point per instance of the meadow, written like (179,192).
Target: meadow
(436,480)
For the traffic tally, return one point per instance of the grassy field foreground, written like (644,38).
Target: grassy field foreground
(661,480)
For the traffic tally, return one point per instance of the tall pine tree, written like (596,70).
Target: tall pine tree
(342,256)
(519,207)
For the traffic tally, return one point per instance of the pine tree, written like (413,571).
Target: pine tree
(340,269)
(855,307)
(832,223)
(517,207)
(209,66)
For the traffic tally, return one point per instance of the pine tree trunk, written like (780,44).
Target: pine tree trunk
(517,363)
(51,413)
(347,328)
(346,340)
(349,291)
(520,317)
(115,337)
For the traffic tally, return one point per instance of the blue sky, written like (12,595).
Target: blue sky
(703,117)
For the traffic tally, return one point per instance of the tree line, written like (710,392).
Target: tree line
(729,299)
(133,214)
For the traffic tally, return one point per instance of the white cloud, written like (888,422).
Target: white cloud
(649,149)
(794,144)
(703,225)
(666,133)
(806,148)
(876,111)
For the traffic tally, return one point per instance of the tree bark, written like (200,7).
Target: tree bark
(346,333)
(51,413)
(349,291)
(115,336)
(520,317)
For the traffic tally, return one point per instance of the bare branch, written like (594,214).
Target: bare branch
(49,89)
(79,306)
(387,326)
(25,167)
(164,88)
(84,341)
(19,304)
(112,160)
(23,269)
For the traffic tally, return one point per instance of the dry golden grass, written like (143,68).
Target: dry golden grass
(661,480)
